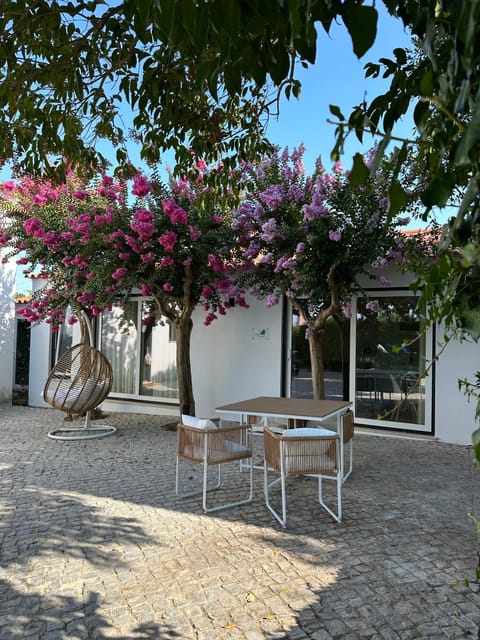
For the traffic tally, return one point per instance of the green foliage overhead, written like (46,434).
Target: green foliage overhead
(196,77)
(72,74)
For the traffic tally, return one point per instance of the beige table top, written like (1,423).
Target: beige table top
(287,407)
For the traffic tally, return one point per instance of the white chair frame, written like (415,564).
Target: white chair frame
(210,448)
(278,448)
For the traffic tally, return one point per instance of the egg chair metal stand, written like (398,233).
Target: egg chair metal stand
(78,383)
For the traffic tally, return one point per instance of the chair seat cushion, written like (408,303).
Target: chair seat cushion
(198,423)
(308,431)
(75,399)
(229,448)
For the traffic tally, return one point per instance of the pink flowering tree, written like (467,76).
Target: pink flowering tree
(178,248)
(174,244)
(58,232)
(310,237)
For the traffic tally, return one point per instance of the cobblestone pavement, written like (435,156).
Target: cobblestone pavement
(94,544)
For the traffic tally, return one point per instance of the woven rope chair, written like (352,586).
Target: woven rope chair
(79,382)
(302,452)
(213,448)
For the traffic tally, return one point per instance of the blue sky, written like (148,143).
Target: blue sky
(337,78)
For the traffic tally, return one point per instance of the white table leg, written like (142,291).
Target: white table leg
(340,435)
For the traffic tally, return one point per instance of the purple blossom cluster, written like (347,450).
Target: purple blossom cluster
(273,196)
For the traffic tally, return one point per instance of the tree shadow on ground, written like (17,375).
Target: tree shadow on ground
(60,617)
(50,531)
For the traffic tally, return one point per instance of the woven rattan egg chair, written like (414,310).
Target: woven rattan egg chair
(80,381)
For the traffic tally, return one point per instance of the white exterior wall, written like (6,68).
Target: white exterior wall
(397,279)
(240,356)
(237,357)
(454,414)
(40,340)
(7,327)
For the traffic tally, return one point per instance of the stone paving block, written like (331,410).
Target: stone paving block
(94,544)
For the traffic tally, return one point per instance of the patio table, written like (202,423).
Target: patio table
(293,408)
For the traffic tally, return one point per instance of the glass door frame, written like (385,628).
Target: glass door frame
(427,427)
(136,396)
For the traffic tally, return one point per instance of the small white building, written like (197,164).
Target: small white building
(376,360)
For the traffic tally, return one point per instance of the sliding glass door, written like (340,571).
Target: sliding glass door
(142,355)
(389,355)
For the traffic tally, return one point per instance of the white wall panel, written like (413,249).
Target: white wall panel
(7,327)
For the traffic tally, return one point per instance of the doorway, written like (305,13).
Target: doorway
(390,384)
(336,355)
(22,363)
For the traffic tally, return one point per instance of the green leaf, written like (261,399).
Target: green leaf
(167,18)
(196,23)
(372,70)
(361,22)
(469,140)
(233,79)
(426,83)
(421,114)
(397,199)
(438,192)
(281,63)
(385,141)
(470,319)
(359,173)
(296,89)
(334,110)
(476,444)
(141,18)
(469,196)
(401,55)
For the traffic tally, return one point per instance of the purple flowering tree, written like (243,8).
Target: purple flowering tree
(173,244)
(310,237)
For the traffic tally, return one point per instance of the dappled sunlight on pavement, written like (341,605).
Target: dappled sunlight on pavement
(94,543)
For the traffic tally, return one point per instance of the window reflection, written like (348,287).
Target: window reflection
(158,370)
(390,361)
(142,357)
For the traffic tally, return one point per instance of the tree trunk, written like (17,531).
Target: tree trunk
(183,328)
(315,343)
(317,321)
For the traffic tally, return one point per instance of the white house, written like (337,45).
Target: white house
(7,327)
(395,382)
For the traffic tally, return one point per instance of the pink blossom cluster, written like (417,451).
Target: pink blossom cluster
(293,230)
(142,224)
(216,263)
(317,209)
(161,246)
(111,190)
(141,186)
(176,214)
(168,241)
(273,196)
(232,295)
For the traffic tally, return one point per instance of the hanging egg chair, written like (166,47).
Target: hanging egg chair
(80,381)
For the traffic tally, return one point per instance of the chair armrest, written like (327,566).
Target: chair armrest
(348,426)
(271,445)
